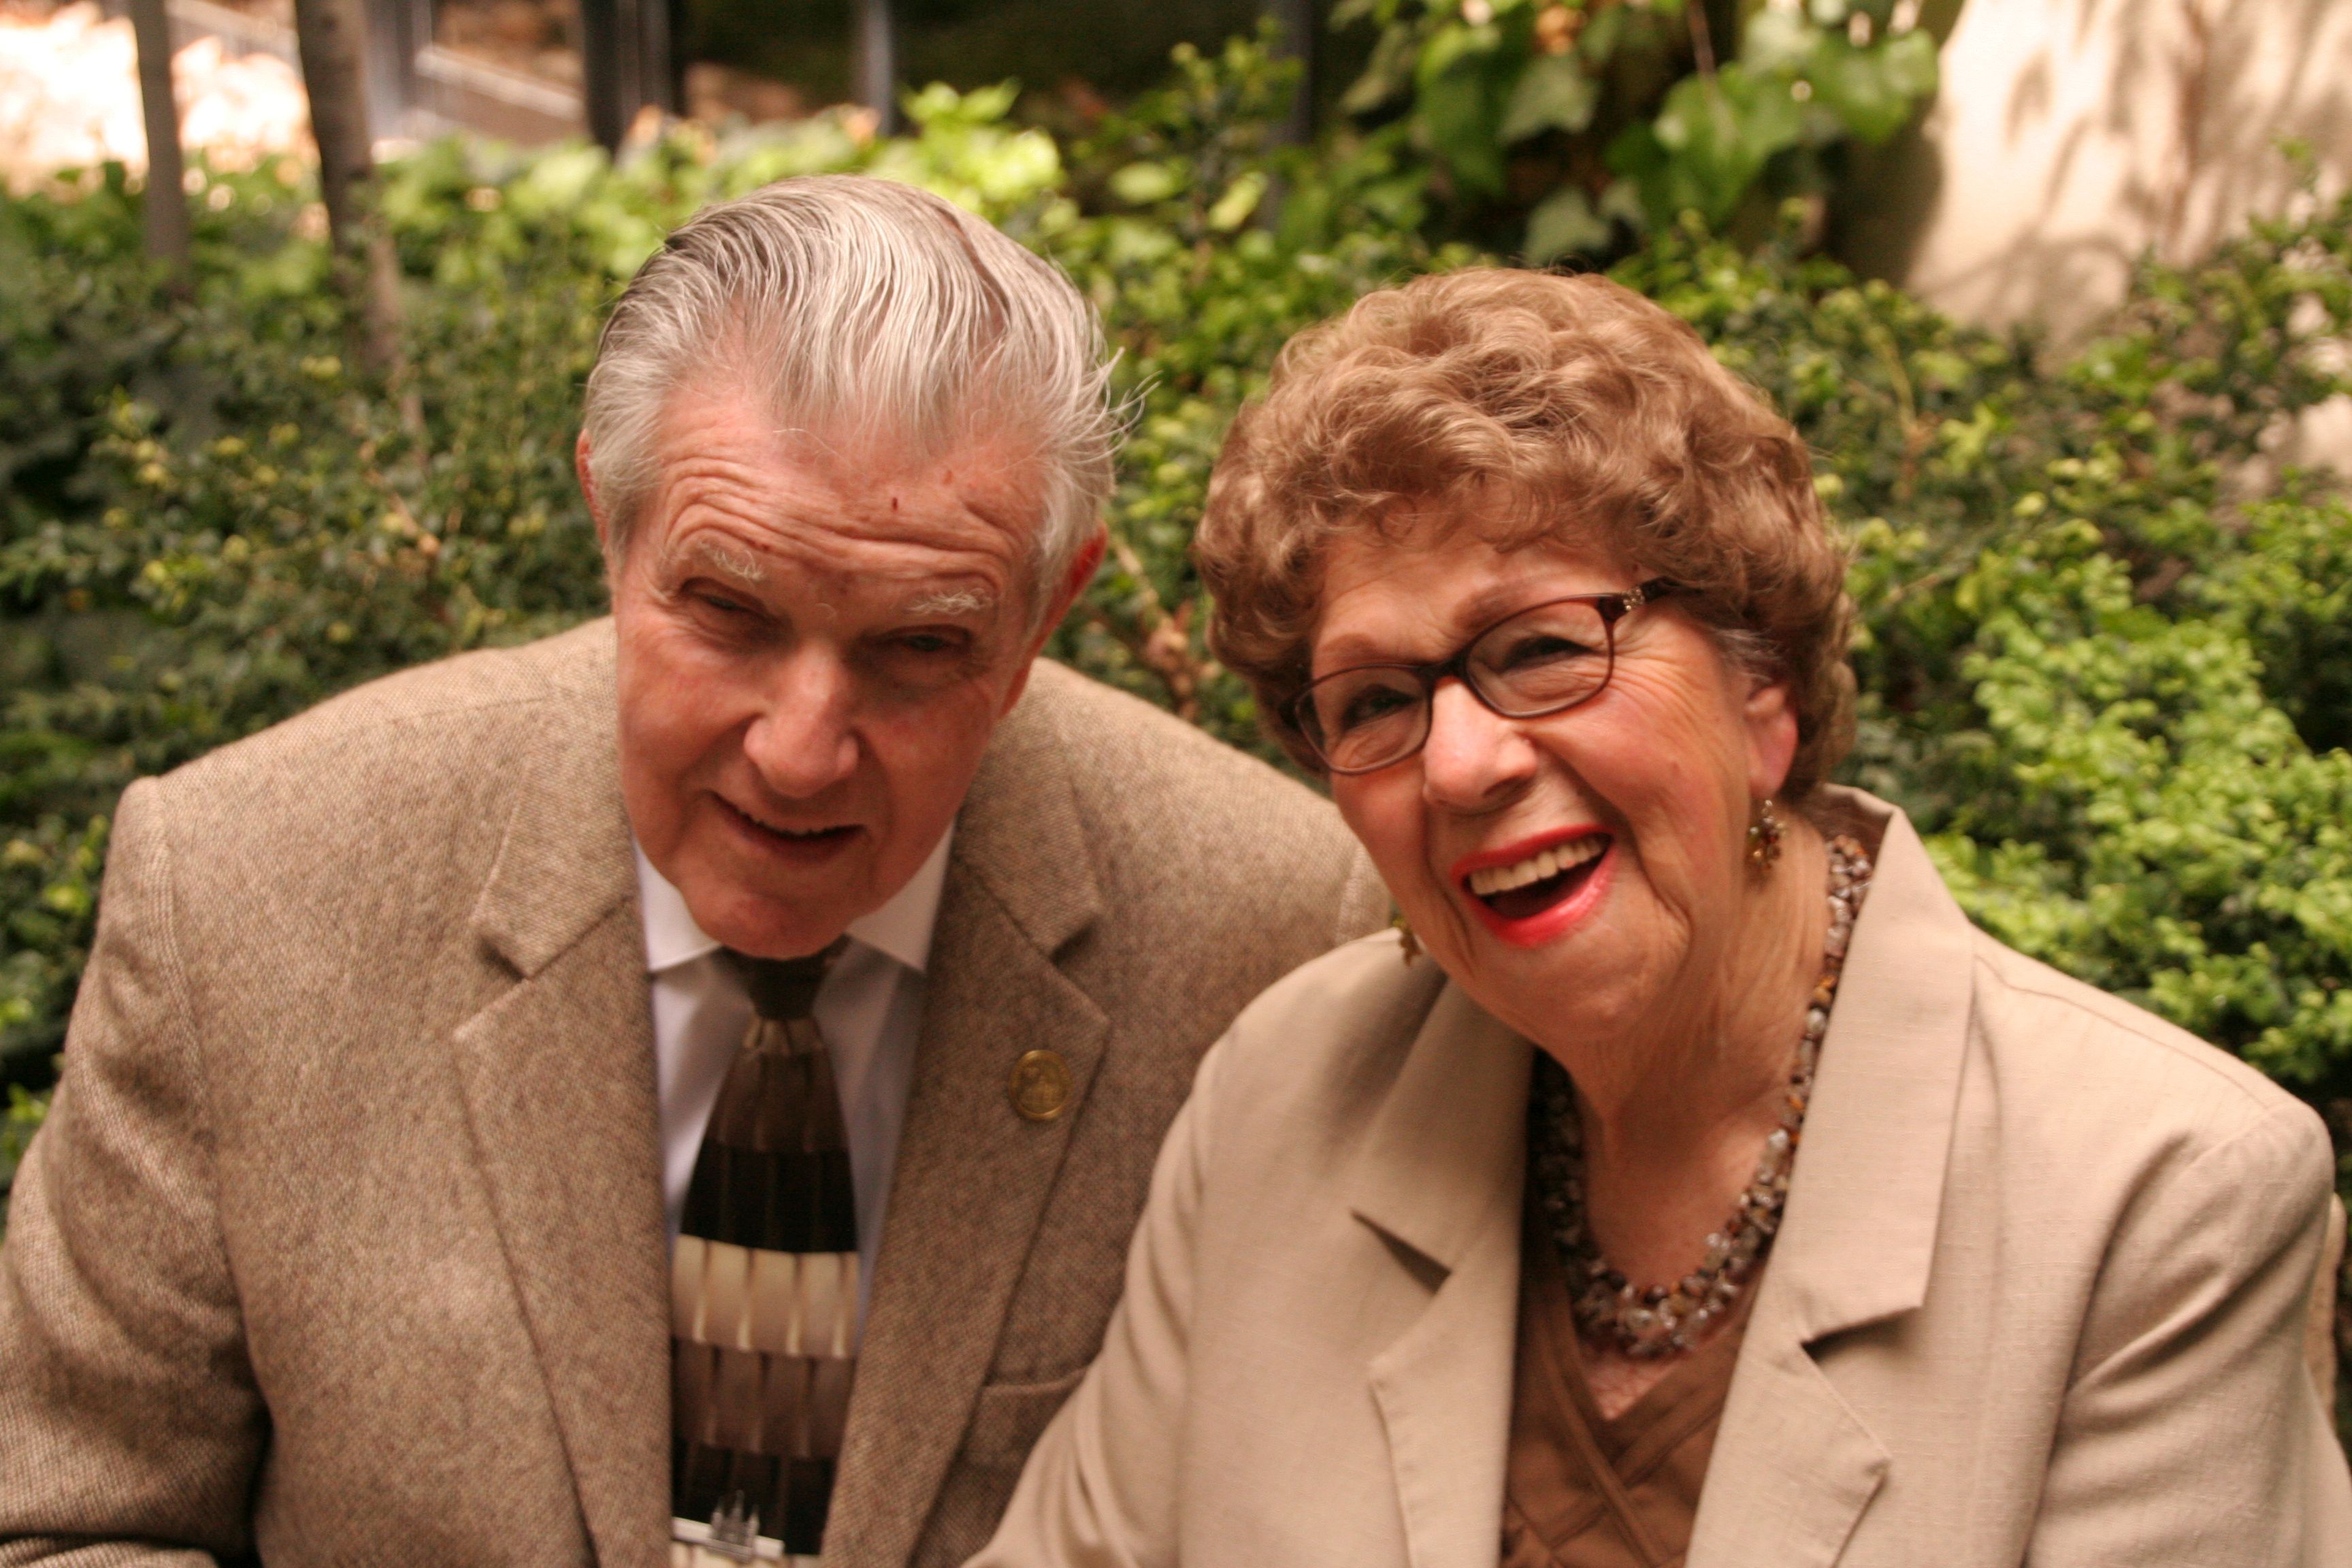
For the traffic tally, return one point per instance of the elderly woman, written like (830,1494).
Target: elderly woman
(1688,1182)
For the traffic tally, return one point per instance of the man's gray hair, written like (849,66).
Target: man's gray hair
(863,311)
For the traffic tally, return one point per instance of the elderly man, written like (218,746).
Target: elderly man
(681,1091)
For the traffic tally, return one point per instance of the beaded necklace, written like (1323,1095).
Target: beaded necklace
(1648,1322)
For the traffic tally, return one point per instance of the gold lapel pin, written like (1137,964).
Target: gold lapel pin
(1040,1086)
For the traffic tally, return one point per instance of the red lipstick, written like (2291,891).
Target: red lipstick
(1550,921)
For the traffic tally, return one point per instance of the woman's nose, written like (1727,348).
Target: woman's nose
(804,739)
(1475,758)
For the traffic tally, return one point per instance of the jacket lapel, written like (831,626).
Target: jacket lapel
(557,1074)
(972,1175)
(1441,1173)
(1794,1467)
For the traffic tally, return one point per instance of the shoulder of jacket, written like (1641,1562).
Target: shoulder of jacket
(417,721)
(2026,1009)
(1359,1005)
(1141,769)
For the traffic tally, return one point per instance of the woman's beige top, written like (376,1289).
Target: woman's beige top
(1582,1491)
(2038,1295)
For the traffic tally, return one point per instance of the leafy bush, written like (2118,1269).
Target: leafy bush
(2102,644)
(1583,117)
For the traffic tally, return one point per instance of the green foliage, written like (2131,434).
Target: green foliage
(2104,643)
(1198,295)
(2105,682)
(1579,116)
(23,1117)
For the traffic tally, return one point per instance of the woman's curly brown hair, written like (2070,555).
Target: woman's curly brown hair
(1534,407)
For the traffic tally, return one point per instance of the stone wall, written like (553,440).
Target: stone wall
(2070,136)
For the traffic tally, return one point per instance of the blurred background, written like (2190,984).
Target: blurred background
(297,297)
(2008,159)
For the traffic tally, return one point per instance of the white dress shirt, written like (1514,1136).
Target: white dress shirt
(869,1010)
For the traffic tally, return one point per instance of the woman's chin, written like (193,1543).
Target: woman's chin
(1554,921)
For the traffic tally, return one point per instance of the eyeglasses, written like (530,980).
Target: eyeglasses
(1537,661)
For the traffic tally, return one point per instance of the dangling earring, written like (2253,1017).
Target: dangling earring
(1409,943)
(1764,838)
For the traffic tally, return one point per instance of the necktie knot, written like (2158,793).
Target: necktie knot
(784,989)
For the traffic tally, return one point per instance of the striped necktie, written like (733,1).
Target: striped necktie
(763,1287)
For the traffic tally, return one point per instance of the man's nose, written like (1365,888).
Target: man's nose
(804,739)
(1475,759)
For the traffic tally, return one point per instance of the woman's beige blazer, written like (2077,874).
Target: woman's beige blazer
(2039,1297)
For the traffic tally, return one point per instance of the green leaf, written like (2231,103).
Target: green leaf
(1466,78)
(1241,199)
(1141,184)
(1553,94)
(1873,91)
(1564,224)
(1778,42)
(1709,142)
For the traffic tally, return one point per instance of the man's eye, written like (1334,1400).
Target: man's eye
(926,642)
(725,606)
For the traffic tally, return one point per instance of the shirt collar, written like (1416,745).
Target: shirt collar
(899,930)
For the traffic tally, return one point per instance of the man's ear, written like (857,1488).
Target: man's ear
(1083,567)
(1074,582)
(580,455)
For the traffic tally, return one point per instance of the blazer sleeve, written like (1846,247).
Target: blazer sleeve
(2192,1431)
(130,1427)
(1364,902)
(1099,1490)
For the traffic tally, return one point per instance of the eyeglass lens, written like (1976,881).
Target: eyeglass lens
(1550,658)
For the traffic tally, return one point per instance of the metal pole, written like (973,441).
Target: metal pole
(656,73)
(600,43)
(878,64)
(166,202)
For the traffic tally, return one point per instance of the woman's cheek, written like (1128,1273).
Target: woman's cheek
(1387,821)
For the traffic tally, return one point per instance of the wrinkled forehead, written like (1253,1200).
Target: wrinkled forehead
(995,470)
(1450,565)
(745,494)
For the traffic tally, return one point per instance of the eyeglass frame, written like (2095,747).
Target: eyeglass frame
(1613,607)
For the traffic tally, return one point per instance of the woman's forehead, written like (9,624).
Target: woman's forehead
(1387,595)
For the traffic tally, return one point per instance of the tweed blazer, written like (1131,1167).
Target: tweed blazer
(344,1244)
(2038,1295)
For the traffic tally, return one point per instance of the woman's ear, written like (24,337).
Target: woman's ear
(1770,719)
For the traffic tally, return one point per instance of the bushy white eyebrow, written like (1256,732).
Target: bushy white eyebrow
(739,566)
(952,602)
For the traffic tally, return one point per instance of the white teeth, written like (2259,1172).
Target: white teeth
(1538,866)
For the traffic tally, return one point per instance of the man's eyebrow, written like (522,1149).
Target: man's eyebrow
(716,556)
(949,602)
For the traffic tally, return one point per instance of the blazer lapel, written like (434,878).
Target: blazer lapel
(1794,1467)
(1441,1173)
(972,1175)
(557,1074)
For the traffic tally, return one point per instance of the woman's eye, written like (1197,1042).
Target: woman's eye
(1371,705)
(1532,651)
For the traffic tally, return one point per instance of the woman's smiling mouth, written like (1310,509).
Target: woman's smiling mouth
(1529,892)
